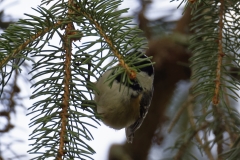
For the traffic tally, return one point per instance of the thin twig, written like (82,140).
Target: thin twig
(177,116)
(183,147)
(28,41)
(232,135)
(131,73)
(215,98)
(218,131)
(205,147)
(67,44)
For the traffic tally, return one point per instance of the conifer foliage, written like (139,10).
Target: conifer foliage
(213,118)
(89,32)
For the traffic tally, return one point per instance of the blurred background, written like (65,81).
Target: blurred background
(167,31)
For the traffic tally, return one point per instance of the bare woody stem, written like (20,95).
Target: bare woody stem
(67,44)
(215,98)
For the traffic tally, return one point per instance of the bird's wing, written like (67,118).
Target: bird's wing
(144,106)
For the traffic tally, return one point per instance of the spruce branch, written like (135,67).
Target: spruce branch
(62,73)
(212,50)
(183,147)
(131,72)
(66,95)
(20,39)
(215,47)
(205,146)
(177,116)
(220,56)
(23,45)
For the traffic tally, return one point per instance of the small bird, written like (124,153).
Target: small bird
(125,107)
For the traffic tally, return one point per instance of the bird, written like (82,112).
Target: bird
(123,105)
